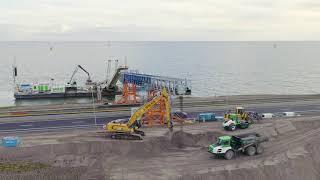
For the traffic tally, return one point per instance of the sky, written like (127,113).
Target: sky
(159,20)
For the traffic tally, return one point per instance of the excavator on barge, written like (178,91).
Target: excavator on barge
(129,129)
(72,84)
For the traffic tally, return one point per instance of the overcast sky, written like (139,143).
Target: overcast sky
(65,20)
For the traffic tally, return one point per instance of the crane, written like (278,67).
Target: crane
(123,129)
(75,72)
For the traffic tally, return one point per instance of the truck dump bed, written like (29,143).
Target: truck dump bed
(247,139)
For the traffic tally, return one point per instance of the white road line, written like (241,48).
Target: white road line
(26,125)
(77,122)
(64,118)
(51,128)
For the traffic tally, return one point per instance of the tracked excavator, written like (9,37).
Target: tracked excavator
(89,81)
(129,129)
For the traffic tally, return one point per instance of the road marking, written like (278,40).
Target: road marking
(26,125)
(51,128)
(63,119)
(77,122)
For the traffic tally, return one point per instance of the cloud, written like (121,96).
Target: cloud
(158,20)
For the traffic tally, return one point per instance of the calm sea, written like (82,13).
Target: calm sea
(216,68)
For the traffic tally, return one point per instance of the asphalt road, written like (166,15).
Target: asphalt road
(87,120)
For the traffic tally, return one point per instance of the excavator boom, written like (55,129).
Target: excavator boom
(130,130)
(89,78)
(164,95)
(75,72)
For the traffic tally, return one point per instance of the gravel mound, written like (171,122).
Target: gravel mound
(183,139)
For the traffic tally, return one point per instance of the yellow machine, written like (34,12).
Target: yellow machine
(129,129)
(241,114)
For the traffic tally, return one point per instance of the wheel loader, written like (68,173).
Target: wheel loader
(243,115)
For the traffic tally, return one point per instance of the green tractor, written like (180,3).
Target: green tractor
(232,122)
(229,146)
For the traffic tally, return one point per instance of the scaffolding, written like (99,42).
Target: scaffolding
(157,114)
(129,94)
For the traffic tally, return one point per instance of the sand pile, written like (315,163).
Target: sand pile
(292,153)
(90,154)
(145,148)
(284,166)
(182,139)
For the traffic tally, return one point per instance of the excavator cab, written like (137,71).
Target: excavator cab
(137,124)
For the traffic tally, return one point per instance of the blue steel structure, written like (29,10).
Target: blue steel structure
(146,81)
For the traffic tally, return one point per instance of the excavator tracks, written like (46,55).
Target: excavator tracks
(125,136)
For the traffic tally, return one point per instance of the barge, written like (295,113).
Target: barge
(65,94)
(70,89)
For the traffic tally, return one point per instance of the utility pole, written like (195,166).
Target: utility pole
(181,103)
(99,96)
(93,107)
(15,70)
(108,69)
(125,61)
(181,109)
(116,62)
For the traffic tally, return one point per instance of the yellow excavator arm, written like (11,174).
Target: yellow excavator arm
(129,130)
(143,109)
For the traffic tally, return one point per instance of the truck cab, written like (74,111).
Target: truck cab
(221,146)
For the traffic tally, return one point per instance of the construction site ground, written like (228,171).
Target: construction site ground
(291,153)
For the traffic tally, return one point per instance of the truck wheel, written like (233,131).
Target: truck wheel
(229,155)
(232,127)
(251,150)
(260,149)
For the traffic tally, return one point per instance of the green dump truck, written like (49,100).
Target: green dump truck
(229,146)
